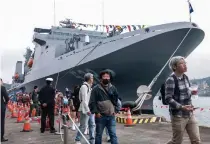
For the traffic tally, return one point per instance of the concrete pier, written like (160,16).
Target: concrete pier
(147,133)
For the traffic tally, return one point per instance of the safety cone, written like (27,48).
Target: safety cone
(20,117)
(33,113)
(9,105)
(129,121)
(14,113)
(27,126)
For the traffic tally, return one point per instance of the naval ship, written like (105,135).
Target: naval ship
(66,53)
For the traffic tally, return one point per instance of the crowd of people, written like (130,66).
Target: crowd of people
(95,107)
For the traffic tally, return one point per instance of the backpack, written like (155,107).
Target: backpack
(176,89)
(76,99)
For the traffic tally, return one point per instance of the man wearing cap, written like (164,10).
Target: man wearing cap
(47,101)
(103,102)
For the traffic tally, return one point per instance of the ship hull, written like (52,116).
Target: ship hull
(133,66)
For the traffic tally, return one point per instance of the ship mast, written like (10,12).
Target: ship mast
(102,4)
(54,15)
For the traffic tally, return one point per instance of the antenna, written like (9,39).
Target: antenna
(103,14)
(54,18)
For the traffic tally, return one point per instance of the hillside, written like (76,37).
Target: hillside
(199,81)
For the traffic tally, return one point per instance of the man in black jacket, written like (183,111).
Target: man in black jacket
(103,103)
(47,101)
(4,101)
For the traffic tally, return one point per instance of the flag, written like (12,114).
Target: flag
(190,8)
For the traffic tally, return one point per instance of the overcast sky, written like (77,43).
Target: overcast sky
(19,17)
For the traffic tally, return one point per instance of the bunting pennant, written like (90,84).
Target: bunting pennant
(107,28)
(120,28)
(129,27)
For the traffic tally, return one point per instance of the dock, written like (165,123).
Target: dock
(145,133)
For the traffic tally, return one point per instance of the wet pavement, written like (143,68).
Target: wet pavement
(156,133)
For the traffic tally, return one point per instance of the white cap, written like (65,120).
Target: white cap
(49,79)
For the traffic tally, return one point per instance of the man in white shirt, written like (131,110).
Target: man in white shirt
(85,114)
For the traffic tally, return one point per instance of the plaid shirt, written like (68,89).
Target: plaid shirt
(175,102)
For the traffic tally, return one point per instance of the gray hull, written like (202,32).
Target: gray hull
(134,65)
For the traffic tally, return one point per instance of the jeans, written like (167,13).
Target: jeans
(108,122)
(91,126)
(86,121)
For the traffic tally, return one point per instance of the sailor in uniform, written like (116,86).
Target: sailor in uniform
(47,101)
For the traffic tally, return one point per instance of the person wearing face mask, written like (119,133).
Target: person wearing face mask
(103,103)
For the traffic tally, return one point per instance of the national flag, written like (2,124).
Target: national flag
(190,8)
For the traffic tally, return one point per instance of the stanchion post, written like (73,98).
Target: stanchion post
(69,118)
(59,125)
(65,129)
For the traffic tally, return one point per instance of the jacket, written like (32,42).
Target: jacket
(103,102)
(47,95)
(34,97)
(84,97)
(4,97)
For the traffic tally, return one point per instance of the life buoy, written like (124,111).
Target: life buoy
(16,76)
(30,62)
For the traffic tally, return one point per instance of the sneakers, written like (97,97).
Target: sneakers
(41,130)
(78,142)
(108,139)
(86,131)
(53,131)
(4,139)
(73,127)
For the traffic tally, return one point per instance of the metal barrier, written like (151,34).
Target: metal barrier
(65,118)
